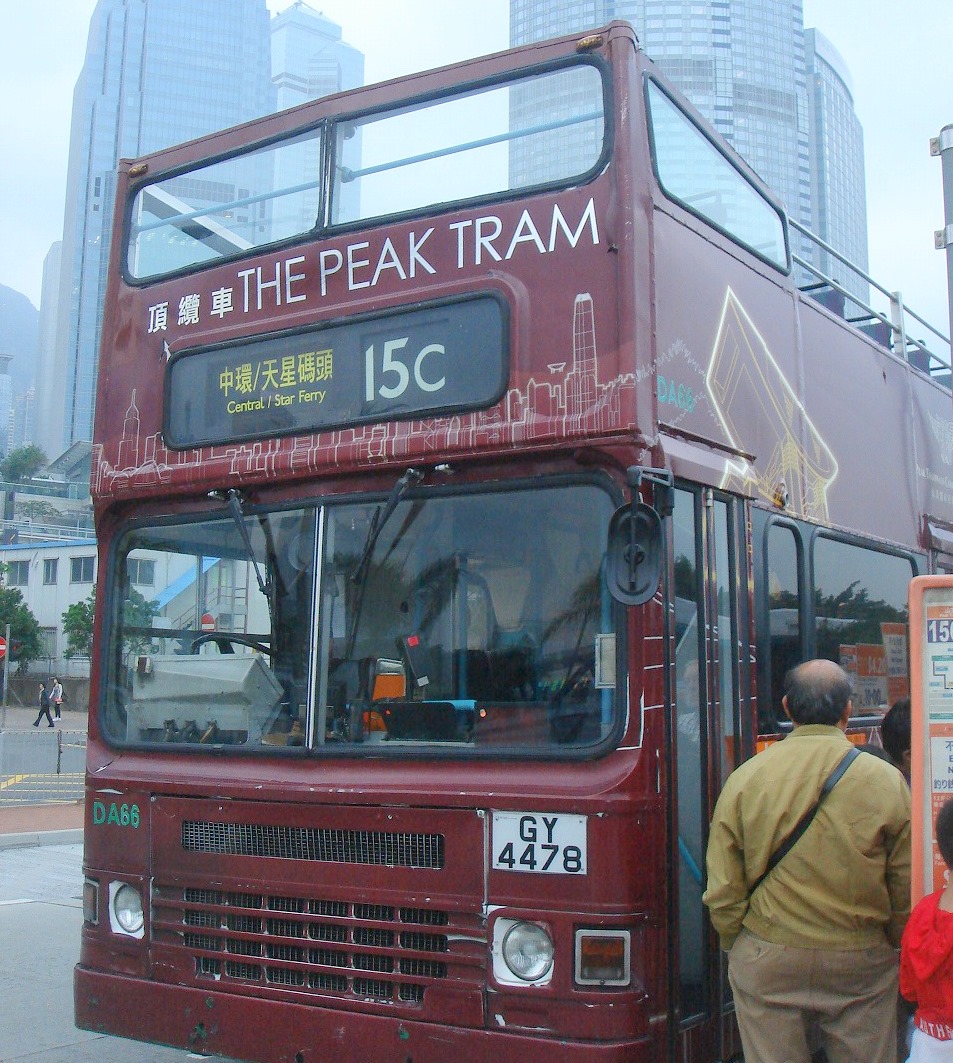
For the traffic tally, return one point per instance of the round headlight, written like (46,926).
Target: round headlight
(528,951)
(127,906)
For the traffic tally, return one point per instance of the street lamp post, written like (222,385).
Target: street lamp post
(942,145)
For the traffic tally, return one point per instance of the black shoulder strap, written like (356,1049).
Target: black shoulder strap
(805,821)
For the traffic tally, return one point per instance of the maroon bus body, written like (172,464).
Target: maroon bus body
(660,297)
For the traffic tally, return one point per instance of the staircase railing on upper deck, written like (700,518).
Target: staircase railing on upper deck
(891,325)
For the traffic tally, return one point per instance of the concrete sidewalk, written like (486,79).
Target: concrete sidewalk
(47,824)
(18,718)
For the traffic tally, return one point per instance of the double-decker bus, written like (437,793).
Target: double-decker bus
(474,453)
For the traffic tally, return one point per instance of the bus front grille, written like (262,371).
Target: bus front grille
(375,953)
(382,848)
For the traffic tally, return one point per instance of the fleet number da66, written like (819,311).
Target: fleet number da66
(548,843)
(116,813)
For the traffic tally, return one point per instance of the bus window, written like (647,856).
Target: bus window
(784,618)
(479,621)
(487,141)
(727,636)
(860,606)
(693,171)
(690,744)
(202,663)
(496,607)
(226,208)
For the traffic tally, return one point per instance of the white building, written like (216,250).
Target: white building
(52,577)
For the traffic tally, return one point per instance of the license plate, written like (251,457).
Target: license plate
(547,843)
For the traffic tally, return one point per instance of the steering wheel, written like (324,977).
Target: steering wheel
(227,640)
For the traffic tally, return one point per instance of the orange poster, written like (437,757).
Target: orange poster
(870,680)
(897,654)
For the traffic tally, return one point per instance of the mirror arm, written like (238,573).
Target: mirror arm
(663,487)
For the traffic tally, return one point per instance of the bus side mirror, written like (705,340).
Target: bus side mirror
(634,554)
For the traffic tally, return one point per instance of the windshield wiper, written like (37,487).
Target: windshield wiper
(382,515)
(234,499)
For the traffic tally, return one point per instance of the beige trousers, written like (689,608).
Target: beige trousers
(848,997)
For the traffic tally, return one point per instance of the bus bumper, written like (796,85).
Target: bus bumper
(270,1031)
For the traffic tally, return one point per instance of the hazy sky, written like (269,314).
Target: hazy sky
(897,56)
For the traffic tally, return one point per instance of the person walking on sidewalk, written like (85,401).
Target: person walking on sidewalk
(44,707)
(56,697)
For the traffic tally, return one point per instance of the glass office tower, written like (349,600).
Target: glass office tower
(839,202)
(157,72)
(309,59)
(779,96)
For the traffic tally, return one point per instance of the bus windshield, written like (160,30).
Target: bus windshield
(466,622)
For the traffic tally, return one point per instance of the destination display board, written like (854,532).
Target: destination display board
(437,358)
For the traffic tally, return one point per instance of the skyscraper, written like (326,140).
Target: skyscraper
(308,60)
(157,72)
(308,57)
(746,68)
(839,201)
(6,404)
(51,369)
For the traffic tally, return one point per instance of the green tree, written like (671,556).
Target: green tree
(137,614)
(40,511)
(22,463)
(24,626)
(78,627)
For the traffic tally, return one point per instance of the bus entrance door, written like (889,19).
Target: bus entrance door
(709,663)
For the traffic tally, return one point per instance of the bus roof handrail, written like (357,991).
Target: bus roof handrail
(815,239)
(902,341)
(347,174)
(206,212)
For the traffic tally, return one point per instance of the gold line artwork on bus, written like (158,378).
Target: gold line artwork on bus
(571,400)
(942,430)
(747,387)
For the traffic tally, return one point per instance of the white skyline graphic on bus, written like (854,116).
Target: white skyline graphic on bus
(569,401)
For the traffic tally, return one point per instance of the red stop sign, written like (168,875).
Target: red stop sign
(208,622)
(3,647)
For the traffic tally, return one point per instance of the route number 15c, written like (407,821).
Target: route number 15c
(388,376)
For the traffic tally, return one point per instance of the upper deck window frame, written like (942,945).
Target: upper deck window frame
(326,132)
(650,84)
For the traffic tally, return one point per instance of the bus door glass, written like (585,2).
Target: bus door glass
(710,669)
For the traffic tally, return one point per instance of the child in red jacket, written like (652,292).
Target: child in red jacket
(926,960)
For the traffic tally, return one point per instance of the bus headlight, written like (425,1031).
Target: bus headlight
(527,951)
(125,909)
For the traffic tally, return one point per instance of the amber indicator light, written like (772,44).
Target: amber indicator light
(602,958)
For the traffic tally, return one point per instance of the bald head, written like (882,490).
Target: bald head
(817,692)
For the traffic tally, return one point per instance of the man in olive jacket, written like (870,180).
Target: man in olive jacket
(815,944)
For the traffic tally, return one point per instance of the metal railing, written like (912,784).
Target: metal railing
(41,766)
(25,530)
(890,326)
